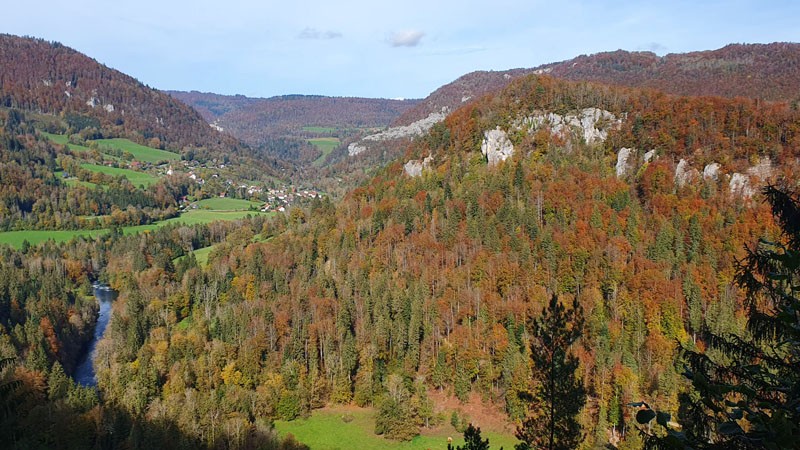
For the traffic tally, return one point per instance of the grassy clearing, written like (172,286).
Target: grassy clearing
(184,324)
(76,182)
(227,204)
(136,178)
(326,430)
(194,217)
(201,255)
(139,152)
(63,139)
(326,146)
(15,238)
(320,130)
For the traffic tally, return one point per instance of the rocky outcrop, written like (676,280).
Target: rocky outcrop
(415,167)
(762,170)
(740,185)
(591,124)
(355,148)
(417,128)
(685,173)
(711,172)
(496,146)
(625,160)
(650,156)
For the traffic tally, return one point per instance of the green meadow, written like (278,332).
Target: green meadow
(227,204)
(63,139)
(326,146)
(15,238)
(201,255)
(76,182)
(327,430)
(194,217)
(139,152)
(320,130)
(136,178)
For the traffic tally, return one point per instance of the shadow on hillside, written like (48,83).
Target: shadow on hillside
(33,422)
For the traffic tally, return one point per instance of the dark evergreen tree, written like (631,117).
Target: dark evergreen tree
(746,389)
(557,395)
(472,440)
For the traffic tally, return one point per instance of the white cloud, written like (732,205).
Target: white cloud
(313,33)
(408,38)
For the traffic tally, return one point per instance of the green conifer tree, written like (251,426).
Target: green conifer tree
(557,395)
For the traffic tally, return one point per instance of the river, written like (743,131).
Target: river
(84,373)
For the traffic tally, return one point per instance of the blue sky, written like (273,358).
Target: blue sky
(399,49)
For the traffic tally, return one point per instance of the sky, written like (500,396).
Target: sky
(395,49)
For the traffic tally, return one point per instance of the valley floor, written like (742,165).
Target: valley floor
(351,427)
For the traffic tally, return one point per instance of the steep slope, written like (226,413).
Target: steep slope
(468,87)
(47,77)
(764,71)
(212,106)
(426,277)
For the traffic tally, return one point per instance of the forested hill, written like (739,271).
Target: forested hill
(763,71)
(48,77)
(427,277)
(468,87)
(257,120)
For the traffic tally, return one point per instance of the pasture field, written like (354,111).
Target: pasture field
(201,255)
(320,130)
(63,139)
(326,146)
(136,178)
(227,204)
(327,430)
(76,182)
(15,238)
(194,217)
(139,152)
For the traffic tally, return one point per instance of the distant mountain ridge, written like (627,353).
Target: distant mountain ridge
(764,71)
(256,120)
(48,77)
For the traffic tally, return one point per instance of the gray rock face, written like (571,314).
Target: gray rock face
(496,146)
(625,159)
(711,171)
(417,128)
(740,185)
(591,124)
(762,170)
(415,167)
(355,148)
(685,173)
(650,156)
